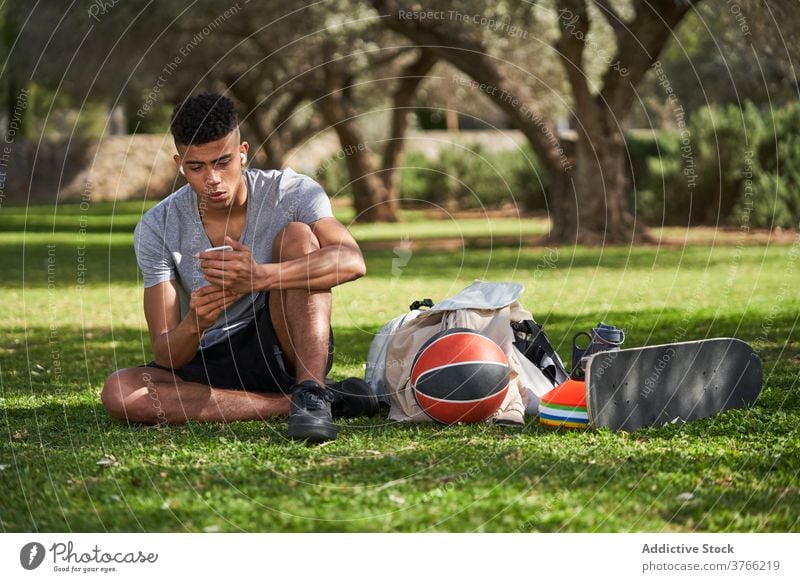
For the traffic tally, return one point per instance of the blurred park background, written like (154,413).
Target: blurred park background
(606,118)
(631,161)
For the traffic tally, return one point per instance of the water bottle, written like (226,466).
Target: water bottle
(603,338)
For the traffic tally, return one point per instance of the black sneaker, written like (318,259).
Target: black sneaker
(352,398)
(310,416)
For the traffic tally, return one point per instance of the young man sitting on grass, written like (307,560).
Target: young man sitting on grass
(244,333)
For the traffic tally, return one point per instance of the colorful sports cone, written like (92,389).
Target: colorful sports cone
(565,405)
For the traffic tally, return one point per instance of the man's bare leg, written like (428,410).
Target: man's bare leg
(156,396)
(301,318)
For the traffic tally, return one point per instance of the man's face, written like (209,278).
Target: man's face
(214,170)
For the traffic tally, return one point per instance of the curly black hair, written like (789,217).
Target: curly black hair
(203,118)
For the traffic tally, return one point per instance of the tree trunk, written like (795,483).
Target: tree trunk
(370,197)
(601,185)
(468,54)
(562,207)
(269,120)
(371,200)
(587,203)
(258,122)
(411,78)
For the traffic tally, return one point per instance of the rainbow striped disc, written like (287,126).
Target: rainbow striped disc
(565,406)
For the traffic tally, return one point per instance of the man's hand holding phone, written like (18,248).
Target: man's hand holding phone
(229,267)
(208,303)
(222,248)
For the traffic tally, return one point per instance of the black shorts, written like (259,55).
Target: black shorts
(251,359)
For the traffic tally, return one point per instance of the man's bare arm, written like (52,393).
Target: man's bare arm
(175,341)
(337,261)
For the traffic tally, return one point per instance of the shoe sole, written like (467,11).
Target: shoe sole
(311,430)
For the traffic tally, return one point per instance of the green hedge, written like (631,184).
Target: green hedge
(738,167)
(472,177)
(732,166)
(460,177)
(775,197)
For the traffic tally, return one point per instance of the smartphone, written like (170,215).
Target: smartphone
(222,248)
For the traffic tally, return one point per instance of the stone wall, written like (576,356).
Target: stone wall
(115,168)
(125,167)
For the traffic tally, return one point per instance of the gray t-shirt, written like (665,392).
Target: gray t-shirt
(171,232)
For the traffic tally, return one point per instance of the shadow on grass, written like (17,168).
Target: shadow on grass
(87,356)
(725,473)
(97,217)
(69,224)
(57,360)
(115,261)
(400,478)
(527,262)
(68,265)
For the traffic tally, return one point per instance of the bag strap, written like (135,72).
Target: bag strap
(530,339)
(421,303)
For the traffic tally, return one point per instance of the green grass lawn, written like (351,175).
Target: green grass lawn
(66,466)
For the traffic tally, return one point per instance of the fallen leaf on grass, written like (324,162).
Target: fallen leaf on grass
(684,497)
(409,447)
(516,456)
(106,461)
(725,481)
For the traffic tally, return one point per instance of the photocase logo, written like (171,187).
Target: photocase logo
(402,256)
(31,555)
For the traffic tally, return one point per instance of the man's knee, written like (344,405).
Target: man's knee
(119,399)
(113,394)
(294,241)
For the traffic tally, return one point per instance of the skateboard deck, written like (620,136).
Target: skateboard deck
(652,386)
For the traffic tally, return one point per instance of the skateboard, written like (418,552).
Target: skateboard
(652,386)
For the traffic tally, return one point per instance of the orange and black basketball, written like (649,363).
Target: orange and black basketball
(460,375)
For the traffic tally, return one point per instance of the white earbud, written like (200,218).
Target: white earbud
(243,157)
(180,169)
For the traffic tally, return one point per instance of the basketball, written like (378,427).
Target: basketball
(459,375)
